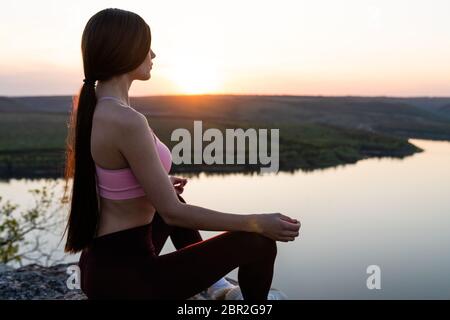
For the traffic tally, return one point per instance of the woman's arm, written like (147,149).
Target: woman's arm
(138,147)
(206,219)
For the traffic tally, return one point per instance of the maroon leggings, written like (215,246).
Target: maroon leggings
(127,265)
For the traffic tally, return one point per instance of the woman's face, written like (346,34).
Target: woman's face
(143,71)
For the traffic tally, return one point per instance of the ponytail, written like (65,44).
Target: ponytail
(84,211)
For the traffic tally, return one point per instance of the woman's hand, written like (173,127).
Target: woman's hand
(178,183)
(276,226)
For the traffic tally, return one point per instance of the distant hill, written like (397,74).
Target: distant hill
(420,117)
(12,105)
(444,111)
(52,104)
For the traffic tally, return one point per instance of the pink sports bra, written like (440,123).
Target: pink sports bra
(119,184)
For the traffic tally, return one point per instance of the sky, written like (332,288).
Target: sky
(293,47)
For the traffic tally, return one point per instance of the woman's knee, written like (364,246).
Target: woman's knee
(258,243)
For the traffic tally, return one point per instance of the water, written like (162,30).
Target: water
(386,212)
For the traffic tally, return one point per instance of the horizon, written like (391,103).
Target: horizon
(244,94)
(287,48)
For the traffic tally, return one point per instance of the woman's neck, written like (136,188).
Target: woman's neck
(116,87)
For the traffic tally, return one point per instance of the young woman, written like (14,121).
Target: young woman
(124,204)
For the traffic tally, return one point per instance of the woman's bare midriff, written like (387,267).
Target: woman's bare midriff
(117,215)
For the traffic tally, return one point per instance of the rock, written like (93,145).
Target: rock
(35,282)
(4,267)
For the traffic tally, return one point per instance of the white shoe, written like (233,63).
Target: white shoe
(236,294)
(219,294)
(218,290)
(275,294)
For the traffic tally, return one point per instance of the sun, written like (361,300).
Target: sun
(195,76)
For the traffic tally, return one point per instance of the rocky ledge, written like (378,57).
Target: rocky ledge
(36,282)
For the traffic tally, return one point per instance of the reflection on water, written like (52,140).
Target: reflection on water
(386,212)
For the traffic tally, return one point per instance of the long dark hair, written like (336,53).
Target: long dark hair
(114,42)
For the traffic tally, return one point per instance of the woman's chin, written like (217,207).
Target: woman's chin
(146,77)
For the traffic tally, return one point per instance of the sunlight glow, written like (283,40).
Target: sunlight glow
(195,76)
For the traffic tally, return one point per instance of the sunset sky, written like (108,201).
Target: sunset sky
(297,47)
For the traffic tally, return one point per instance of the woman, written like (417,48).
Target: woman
(124,204)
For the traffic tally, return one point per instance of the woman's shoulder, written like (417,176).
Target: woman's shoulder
(125,117)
